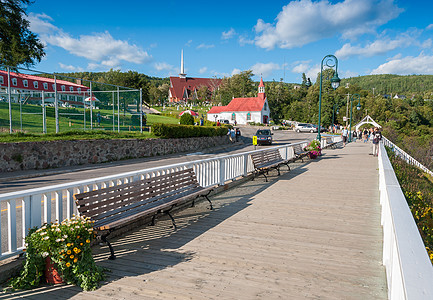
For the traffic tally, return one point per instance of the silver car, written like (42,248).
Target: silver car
(305,127)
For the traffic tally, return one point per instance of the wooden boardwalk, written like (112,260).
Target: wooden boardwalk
(312,233)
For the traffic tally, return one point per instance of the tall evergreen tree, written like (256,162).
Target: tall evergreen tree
(18,45)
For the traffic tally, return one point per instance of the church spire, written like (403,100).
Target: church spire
(261,89)
(182,69)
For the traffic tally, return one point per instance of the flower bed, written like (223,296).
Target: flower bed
(64,247)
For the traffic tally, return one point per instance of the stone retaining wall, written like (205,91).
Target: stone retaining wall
(54,154)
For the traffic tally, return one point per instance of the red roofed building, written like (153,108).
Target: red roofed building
(243,110)
(184,89)
(30,88)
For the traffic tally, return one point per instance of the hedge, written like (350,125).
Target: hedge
(184,131)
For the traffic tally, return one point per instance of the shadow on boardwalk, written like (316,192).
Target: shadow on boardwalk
(152,248)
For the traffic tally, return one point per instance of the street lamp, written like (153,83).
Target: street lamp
(331,61)
(358,107)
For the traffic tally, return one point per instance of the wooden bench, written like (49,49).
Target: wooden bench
(265,160)
(330,143)
(299,152)
(117,206)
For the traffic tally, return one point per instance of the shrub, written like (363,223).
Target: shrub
(186,119)
(184,131)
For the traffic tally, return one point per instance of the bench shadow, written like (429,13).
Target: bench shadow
(147,249)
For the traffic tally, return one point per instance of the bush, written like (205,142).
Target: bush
(186,119)
(184,131)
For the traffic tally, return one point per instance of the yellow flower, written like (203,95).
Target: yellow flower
(68,264)
(71,257)
(76,250)
(75,260)
(78,237)
(68,252)
(87,241)
(81,244)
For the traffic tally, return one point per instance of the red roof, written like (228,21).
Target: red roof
(33,78)
(240,104)
(177,85)
(261,83)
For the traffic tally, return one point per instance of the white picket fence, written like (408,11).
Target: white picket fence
(409,270)
(22,210)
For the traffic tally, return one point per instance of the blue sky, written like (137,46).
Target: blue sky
(275,39)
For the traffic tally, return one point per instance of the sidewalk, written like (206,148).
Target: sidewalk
(312,233)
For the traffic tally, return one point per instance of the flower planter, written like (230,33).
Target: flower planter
(51,274)
(311,155)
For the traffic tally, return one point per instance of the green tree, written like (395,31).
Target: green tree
(186,119)
(18,45)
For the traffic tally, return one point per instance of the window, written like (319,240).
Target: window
(79,90)
(266,106)
(35,84)
(248,116)
(54,87)
(45,86)
(14,81)
(71,88)
(233,116)
(25,83)
(1,80)
(63,88)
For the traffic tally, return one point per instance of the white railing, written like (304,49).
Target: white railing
(409,270)
(406,157)
(25,209)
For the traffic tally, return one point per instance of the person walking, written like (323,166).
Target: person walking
(376,137)
(365,134)
(344,134)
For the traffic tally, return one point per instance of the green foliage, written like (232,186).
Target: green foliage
(417,187)
(185,131)
(18,45)
(187,119)
(67,245)
(239,85)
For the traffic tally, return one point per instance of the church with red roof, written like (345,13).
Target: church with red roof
(184,89)
(243,110)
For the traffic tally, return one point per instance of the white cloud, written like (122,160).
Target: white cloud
(226,35)
(377,47)
(163,66)
(422,64)
(265,70)
(71,68)
(236,71)
(100,48)
(305,67)
(204,46)
(202,70)
(302,22)
(245,41)
(429,27)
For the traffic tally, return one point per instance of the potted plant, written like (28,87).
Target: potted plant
(313,149)
(60,252)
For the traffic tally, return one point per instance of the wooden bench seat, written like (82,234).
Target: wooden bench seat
(330,143)
(299,152)
(265,160)
(117,206)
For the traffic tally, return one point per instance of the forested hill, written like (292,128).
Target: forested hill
(395,84)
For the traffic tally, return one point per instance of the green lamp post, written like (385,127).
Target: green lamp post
(330,61)
(358,107)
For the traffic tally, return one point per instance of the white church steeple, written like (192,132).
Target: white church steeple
(182,69)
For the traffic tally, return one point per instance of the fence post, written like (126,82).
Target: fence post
(9,100)
(222,171)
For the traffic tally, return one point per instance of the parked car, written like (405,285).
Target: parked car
(224,121)
(322,128)
(264,136)
(305,127)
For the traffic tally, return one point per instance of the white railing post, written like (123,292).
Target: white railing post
(12,225)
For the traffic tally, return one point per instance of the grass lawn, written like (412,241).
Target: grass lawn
(72,124)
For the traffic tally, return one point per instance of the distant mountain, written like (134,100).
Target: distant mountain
(395,84)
